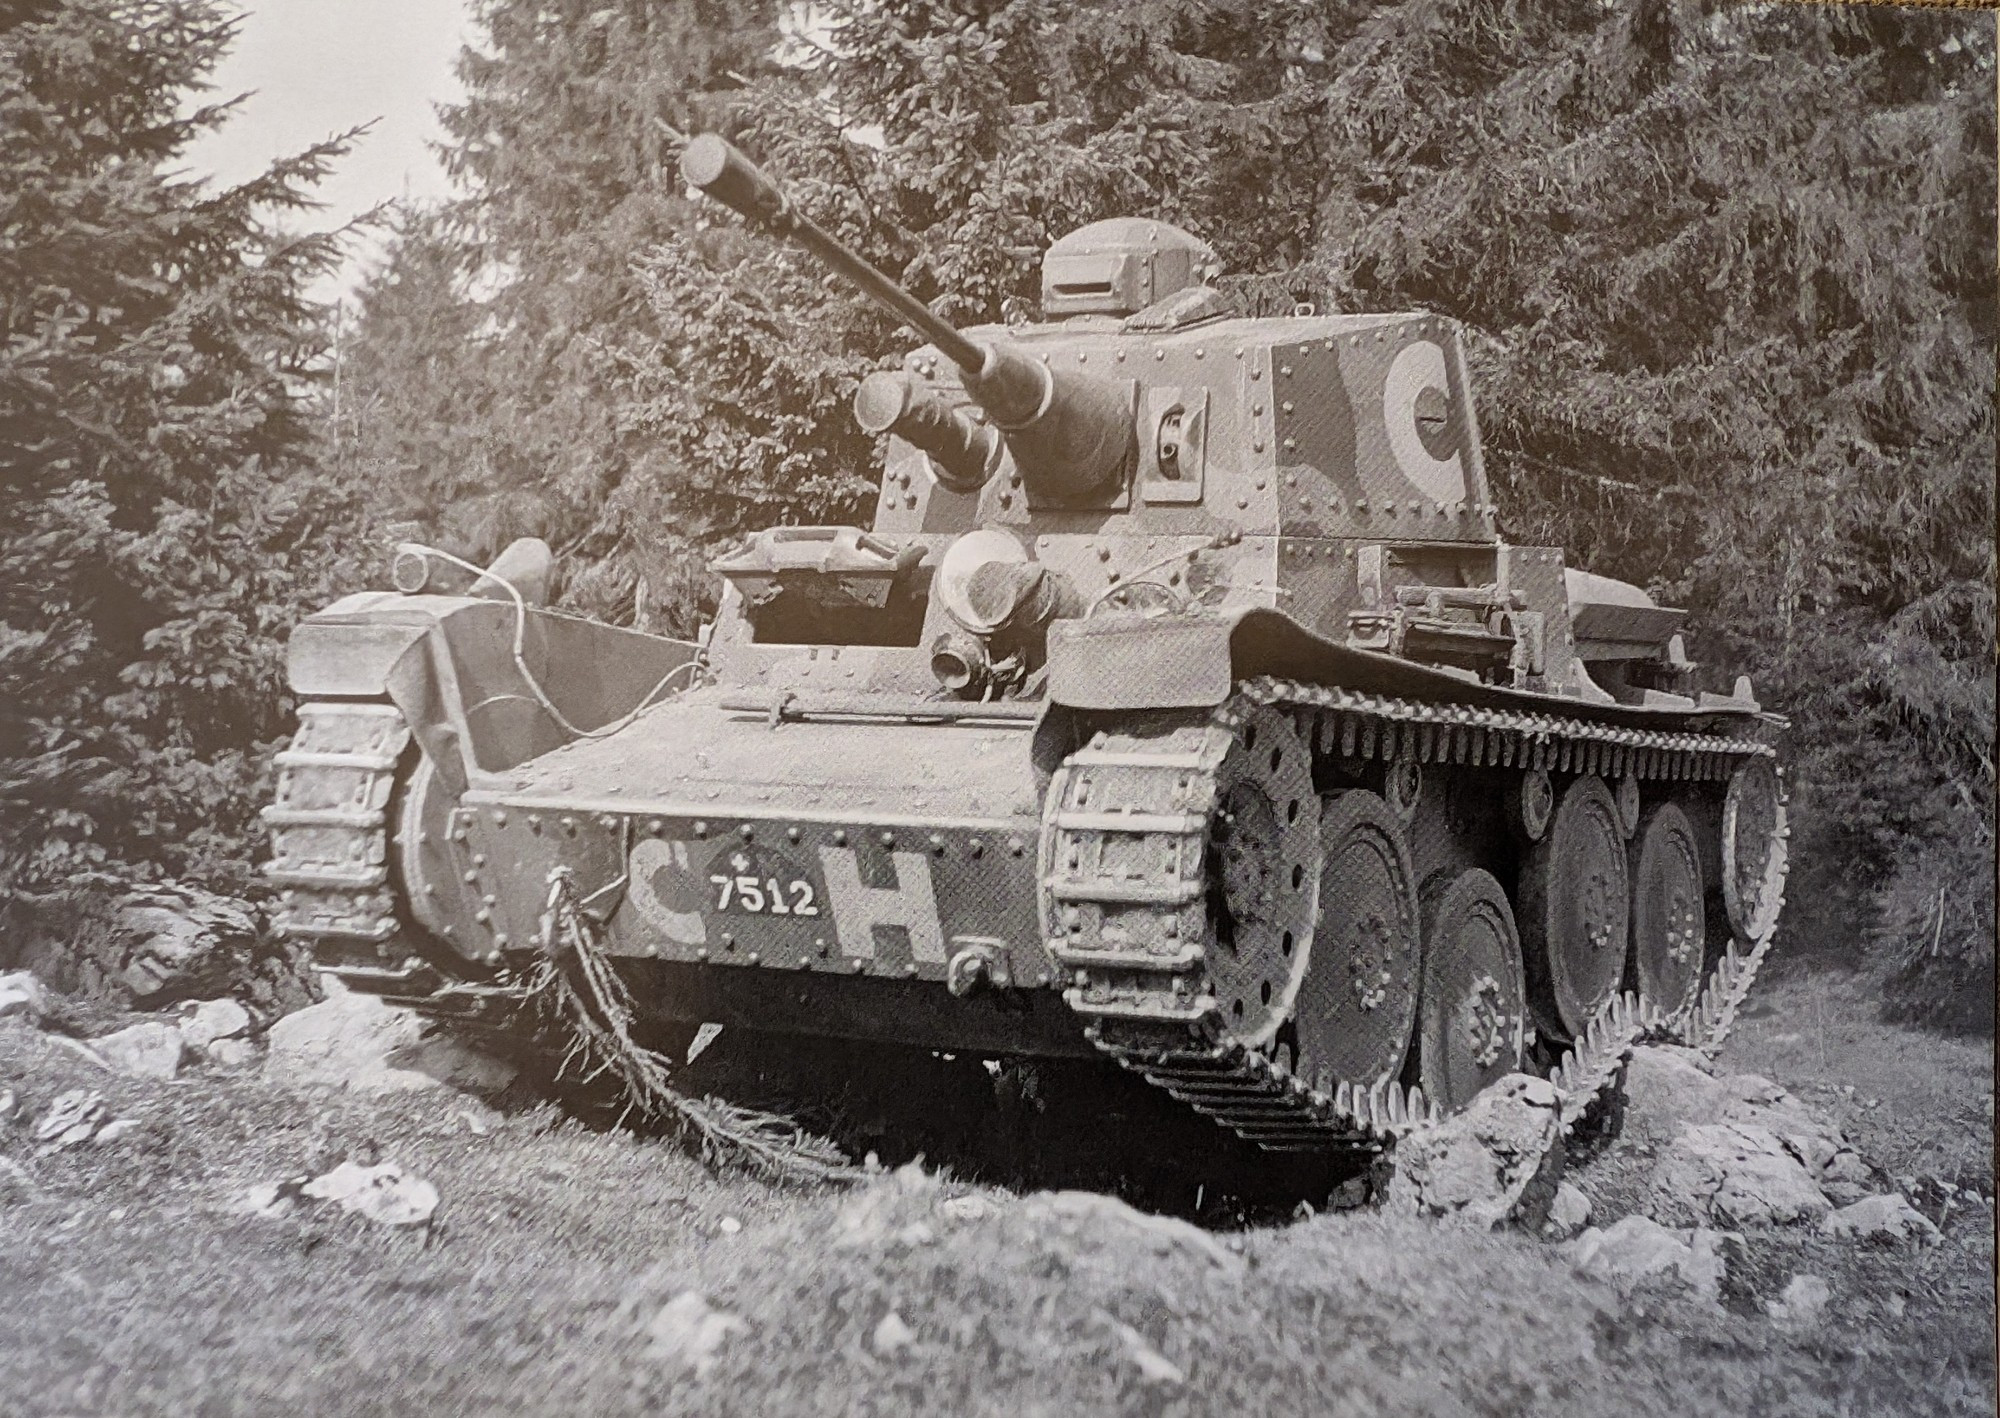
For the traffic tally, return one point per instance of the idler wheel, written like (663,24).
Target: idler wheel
(1472,1022)
(1263,875)
(1669,920)
(1359,999)
(424,867)
(1575,912)
(1754,852)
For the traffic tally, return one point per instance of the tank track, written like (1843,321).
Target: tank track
(1132,938)
(329,823)
(330,861)
(330,835)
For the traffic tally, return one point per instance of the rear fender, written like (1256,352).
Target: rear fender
(448,663)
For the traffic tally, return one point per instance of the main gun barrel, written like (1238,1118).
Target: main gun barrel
(718,169)
(1070,433)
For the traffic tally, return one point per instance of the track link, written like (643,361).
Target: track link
(330,861)
(1122,861)
(329,823)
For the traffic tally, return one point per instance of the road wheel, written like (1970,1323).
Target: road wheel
(1575,909)
(1263,847)
(1668,915)
(1359,999)
(1472,1023)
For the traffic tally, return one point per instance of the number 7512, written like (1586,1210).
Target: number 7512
(747,893)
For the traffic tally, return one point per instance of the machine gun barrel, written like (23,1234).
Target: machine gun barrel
(1071,434)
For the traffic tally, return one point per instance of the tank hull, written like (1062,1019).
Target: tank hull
(814,859)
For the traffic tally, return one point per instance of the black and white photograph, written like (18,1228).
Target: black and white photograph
(997,707)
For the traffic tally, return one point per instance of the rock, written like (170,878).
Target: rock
(1664,1091)
(1350,1195)
(1880,1218)
(273,1198)
(1846,1178)
(346,1041)
(7,1102)
(1812,1137)
(148,1050)
(1500,1159)
(82,1132)
(1636,1249)
(384,1193)
(175,941)
(22,995)
(1107,1217)
(1569,1213)
(232,1053)
(729,1226)
(356,1041)
(1803,1303)
(891,1336)
(209,1020)
(455,1064)
(116,1129)
(78,1108)
(1667,1091)
(1736,1174)
(80,1049)
(689,1333)
(967,1208)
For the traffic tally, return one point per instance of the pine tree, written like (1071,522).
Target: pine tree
(1730,273)
(163,521)
(497,349)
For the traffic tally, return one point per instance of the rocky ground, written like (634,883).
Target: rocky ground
(191,1220)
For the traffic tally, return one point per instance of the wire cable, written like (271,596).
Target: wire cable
(695,662)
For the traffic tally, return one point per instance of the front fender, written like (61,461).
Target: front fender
(448,663)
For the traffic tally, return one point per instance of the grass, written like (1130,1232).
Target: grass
(135,1283)
(1918,1102)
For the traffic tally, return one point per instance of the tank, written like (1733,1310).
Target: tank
(1181,705)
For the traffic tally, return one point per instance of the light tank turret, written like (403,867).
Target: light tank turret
(1181,705)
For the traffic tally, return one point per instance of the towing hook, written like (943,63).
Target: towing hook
(976,963)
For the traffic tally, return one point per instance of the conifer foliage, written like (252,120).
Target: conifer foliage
(163,524)
(491,386)
(1727,273)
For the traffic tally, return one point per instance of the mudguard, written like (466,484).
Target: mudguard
(448,664)
(1119,662)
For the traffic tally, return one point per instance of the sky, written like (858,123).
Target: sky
(318,67)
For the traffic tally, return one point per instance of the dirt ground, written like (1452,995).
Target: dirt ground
(134,1280)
